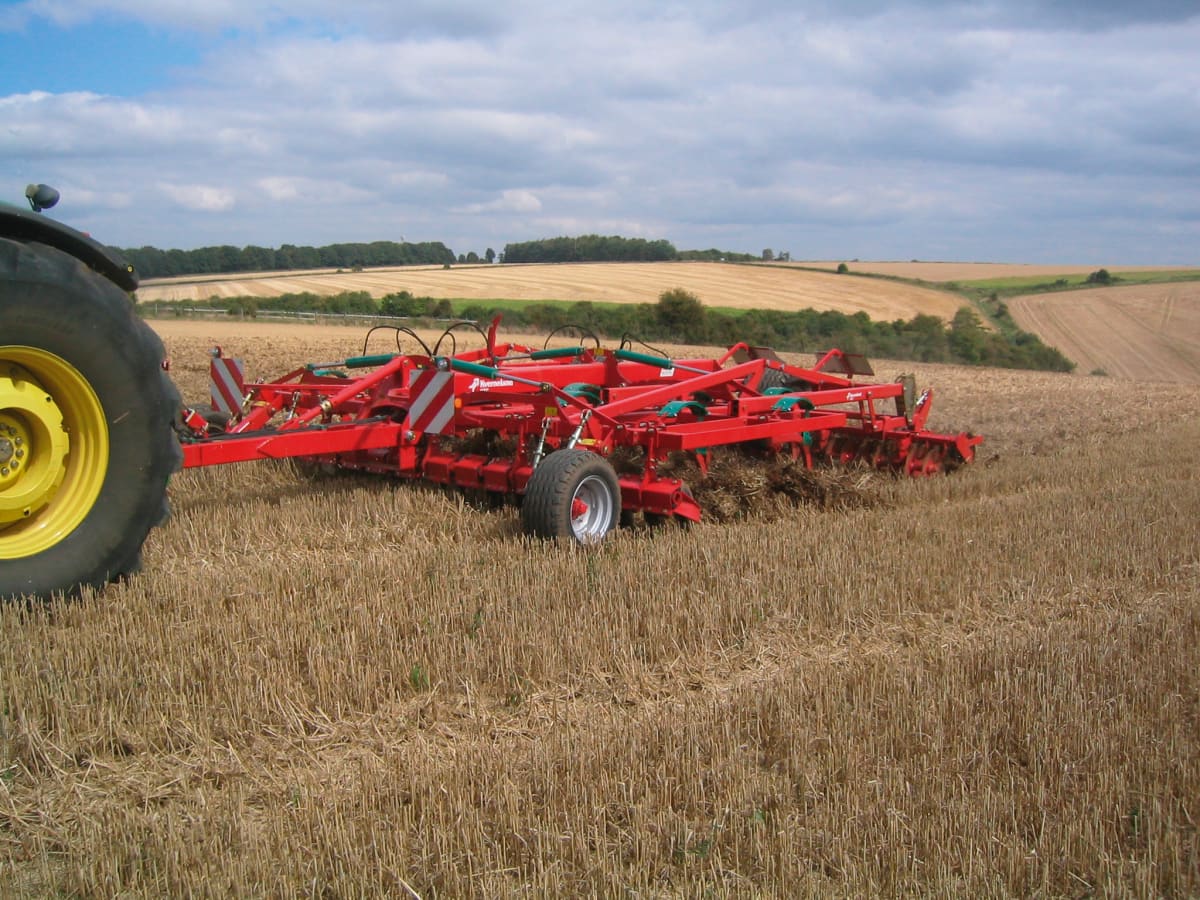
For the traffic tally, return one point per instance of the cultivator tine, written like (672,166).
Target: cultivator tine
(924,459)
(907,398)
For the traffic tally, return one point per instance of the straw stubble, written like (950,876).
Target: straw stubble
(983,684)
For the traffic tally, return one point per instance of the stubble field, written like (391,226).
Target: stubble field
(716,284)
(1142,332)
(974,271)
(981,685)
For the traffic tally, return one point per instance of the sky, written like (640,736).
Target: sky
(1039,131)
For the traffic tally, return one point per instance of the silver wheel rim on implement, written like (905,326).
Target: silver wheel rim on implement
(591,523)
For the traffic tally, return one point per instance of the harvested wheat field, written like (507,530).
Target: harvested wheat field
(981,685)
(1143,332)
(716,284)
(973,271)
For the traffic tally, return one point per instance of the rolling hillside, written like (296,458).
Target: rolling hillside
(1148,332)
(1143,332)
(716,284)
(972,271)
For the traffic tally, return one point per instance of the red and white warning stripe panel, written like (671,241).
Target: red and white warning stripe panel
(432,401)
(226,384)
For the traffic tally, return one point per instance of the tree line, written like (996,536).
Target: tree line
(612,248)
(151,262)
(590,248)
(680,317)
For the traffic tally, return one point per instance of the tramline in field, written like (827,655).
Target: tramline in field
(91,428)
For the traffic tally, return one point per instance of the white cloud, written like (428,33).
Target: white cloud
(199,197)
(514,201)
(281,189)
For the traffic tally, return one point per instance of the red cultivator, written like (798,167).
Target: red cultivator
(544,423)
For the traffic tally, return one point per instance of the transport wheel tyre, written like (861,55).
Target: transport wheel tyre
(87,439)
(572,494)
(217,421)
(774,378)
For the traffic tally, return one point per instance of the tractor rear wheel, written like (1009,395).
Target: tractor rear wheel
(572,494)
(87,443)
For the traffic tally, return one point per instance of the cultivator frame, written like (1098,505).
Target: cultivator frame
(487,420)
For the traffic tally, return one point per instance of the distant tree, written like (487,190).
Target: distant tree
(1100,276)
(768,255)
(967,338)
(842,269)
(490,255)
(472,257)
(681,315)
(715,255)
(399,304)
(256,259)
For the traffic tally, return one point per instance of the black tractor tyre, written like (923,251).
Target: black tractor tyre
(562,480)
(69,337)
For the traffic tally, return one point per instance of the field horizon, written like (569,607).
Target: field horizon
(1138,331)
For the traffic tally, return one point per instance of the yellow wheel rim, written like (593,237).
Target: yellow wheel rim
(53,450)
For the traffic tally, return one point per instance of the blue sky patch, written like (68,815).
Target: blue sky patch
(125,59)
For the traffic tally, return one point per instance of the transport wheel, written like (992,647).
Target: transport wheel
(217,421)
(572,494)
(774,378)
(87,439)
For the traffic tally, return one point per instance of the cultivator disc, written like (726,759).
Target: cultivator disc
(917,456)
